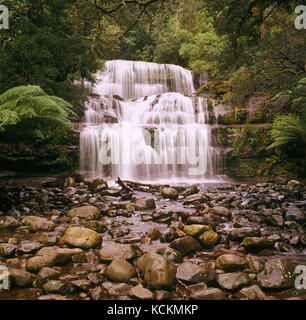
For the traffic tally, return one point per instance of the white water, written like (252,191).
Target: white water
(146,125)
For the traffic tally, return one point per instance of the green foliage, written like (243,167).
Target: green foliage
(240,115)
(31,109)
(289,130)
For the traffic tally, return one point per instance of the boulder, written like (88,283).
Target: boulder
(82,238)
(96,184)
(295,214)
(97,226)
(222,211)
(141,293)
(7,250)
(20,277)
(193,273)
(240,233)
(113,251)
(48,257)
(208,294)
(209,238)
(277,274)
(230,262)
(169,193)
(170,254)
(198,197)
(117,289)
(251,293)
(57,286)
(47,273)
(98,293)
(195,230)
(8,223)
(158,272)
(120,270)
(141,204)
(232,281)
(256,243)
(38,224)
(84,212)
(29,246)
(185,245)
(82,285)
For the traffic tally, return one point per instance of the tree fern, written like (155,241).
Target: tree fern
(288,129)
(31,102)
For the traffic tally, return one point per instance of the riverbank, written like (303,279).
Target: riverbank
(89,239)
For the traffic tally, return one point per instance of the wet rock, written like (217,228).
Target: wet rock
(208,239)
(141,204)
(158,272)
(48,257)
(38,223)
(170,193)
(195,230)
(207,219)
(53,297)
(162,216)
(153,234)
(194,198)
(82,238)
(170,254)
(208,294)
(8,223)
(96,184)
(186,245)
(253,264)
(169,235)
(70,191)
(120,270)
(193,273)
(57,286)
(98,293)
(162,295)
(277,220)
(117,289)
(7,250)
(20,277)
(85,212)
(113,251)
(295,214)
(256,243)
(251,293)
(82,285)
(222,211)
(189,191)
(97,226)
(29,246)
(48,239)
(277,274)
(47,273)
(141,293)
(230,262)
(232,281)
(240,233)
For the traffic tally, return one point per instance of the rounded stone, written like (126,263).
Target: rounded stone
(82,238)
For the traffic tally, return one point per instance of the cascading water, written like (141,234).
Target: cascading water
(146,124)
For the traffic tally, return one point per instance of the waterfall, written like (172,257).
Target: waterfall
(146,123)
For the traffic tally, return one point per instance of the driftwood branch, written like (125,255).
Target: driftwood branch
(123,186)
